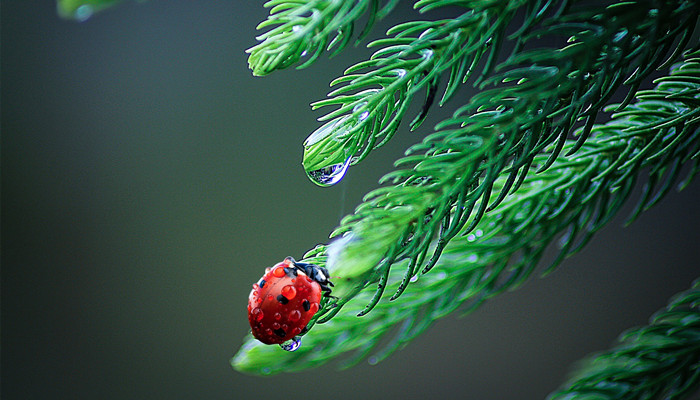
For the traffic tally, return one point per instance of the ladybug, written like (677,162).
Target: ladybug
(285,299)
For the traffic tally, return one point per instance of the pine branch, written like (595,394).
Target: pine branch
(571,200)
(304,29)
(375,94)
(449,180)
(658,361)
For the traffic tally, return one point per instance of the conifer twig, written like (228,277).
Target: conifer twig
(568,202)
(657,361)
(448,182)
(301,29)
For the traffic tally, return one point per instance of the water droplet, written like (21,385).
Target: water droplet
(296,28)
(291,345)
(314,308)
(258,314)
(363,116)
(471,237)
(472,258)
(303,53)
(266,370)
(279,272)
(84,12)
(294,316)
(479,233)
(289,292)
(373,360)
(278,316)
(276,325)
(330,175)
(414,278)
(400,73)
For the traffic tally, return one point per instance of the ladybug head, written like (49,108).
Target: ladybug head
(318,274)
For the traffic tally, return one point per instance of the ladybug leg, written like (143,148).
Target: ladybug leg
(327,291)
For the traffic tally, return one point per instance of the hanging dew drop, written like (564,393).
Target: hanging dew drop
(330,175)
(292,344)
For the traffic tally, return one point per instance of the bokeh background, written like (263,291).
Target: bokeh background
(148,179)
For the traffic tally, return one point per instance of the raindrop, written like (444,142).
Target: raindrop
(289,292)
(258,314)
(363,116)
(479,233)
(414,278)
(291,345)
(472,258)
(294,316)
(471,237)
(330,175)
(84,12)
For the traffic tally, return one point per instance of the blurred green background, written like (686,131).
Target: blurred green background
(148,179)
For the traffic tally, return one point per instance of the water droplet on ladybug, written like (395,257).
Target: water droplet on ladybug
(279,272)
(314,308)
(289,292)
(294,316)
(258,314)
(330,175)
(278,316)
(269,297)
(291,345)
(276,325)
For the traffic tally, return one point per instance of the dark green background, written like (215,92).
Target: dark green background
(148,179)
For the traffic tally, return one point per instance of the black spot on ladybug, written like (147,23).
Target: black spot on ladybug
(306,305)
(282,299)
(262,283)
(304,330)
(280,332)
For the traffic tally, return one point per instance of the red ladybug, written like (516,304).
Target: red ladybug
(285,299)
